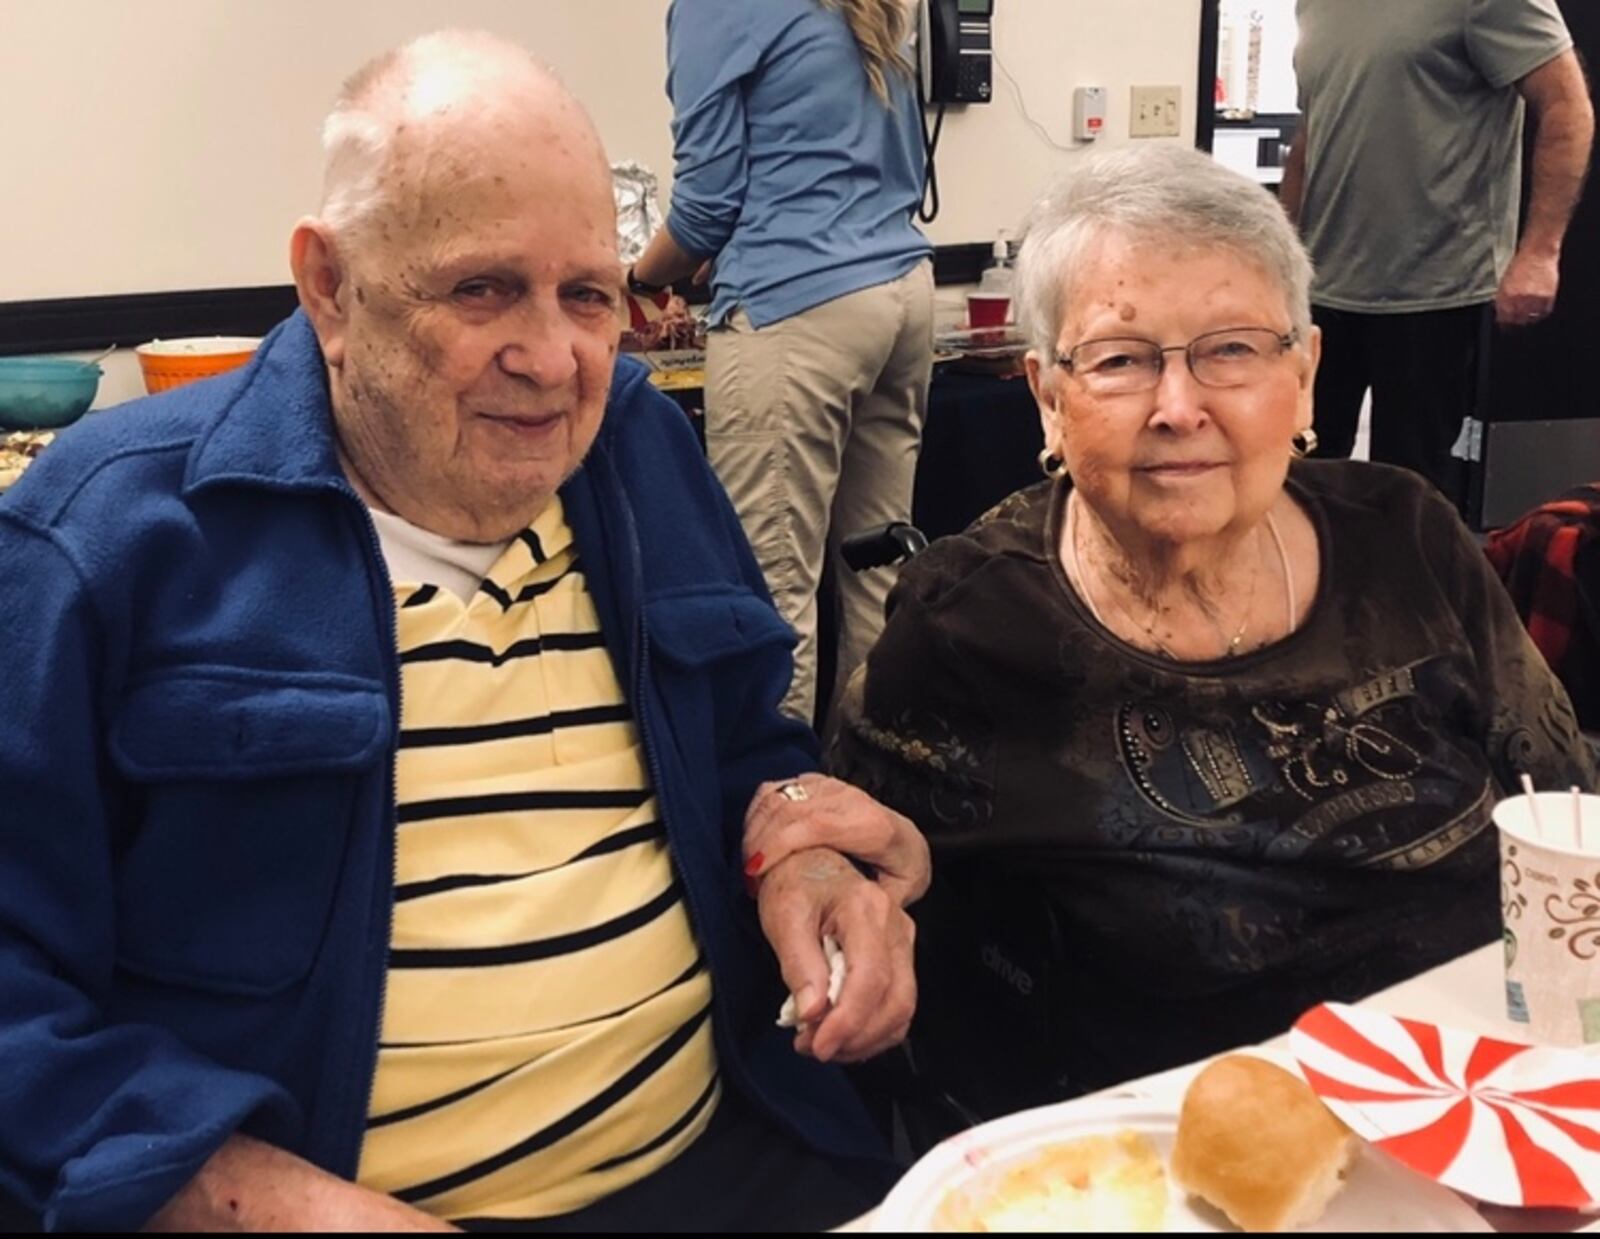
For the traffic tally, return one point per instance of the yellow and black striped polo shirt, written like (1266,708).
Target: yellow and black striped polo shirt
(546,1028)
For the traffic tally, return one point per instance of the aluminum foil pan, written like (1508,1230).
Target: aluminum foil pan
(638,195)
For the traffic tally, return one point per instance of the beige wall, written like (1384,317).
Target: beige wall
(993,163)
(170,144)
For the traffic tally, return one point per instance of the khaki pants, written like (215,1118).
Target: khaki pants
(813,425)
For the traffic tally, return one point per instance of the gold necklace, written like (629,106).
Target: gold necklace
(1076,565)
(1232,643)
(1148,627)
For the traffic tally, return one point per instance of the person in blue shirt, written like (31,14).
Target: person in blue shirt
(799,165)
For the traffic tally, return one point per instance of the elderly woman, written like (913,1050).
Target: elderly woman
(1201,734)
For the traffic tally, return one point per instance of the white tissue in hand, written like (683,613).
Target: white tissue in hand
(789,1016)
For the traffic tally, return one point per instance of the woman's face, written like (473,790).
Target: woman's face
(1182,460)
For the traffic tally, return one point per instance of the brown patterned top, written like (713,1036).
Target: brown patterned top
(1139,861)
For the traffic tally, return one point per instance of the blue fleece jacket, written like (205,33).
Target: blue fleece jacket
(197,733)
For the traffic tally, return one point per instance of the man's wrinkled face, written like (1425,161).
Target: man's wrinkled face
(481,320)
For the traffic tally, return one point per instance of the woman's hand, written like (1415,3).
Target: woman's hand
(818,892)
(835,815)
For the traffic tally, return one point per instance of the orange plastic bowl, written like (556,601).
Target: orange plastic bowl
(172,363)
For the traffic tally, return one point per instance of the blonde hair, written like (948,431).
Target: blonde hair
(881,29)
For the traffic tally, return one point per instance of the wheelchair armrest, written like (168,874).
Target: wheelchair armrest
(885,544)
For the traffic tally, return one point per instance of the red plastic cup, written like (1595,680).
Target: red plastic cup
(987,309)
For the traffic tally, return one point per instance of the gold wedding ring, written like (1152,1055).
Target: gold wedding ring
(793,791)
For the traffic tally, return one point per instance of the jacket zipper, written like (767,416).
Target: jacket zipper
(640,681)
(392,660)
(728,1061)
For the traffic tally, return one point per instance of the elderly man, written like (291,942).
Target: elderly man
(382,727)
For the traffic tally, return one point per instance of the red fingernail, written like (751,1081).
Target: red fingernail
(753,865)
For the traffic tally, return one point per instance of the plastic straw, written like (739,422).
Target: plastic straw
(1580,837)
(1533,806)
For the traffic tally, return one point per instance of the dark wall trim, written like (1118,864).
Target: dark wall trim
(961,264)
(73,324)
(1205,92)
(76,323)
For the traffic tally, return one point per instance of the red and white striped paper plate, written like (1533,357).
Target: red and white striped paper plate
(1501,1122)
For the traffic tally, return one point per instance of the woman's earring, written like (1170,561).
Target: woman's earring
(1051,465)
(1304,443)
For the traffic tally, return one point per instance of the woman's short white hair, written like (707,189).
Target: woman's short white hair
(1159,194)
(405,85)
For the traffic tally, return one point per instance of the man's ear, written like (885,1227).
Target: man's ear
(322,281)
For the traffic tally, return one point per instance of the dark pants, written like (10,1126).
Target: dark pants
(742,1175)
(1426,371)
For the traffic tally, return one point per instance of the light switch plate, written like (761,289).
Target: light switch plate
(1153,112)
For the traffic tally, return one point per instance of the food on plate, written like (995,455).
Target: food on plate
(1255,1142)
(1097,1183)
(18,450)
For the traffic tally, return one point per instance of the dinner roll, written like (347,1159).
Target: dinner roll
(1254,1141)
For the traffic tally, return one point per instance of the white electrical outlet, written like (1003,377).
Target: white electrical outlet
(1153,112)
(1088,112)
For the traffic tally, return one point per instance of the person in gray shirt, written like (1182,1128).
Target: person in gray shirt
(1404,179)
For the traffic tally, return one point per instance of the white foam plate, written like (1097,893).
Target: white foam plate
(1380,1195)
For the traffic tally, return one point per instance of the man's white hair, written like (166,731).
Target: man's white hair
(1159,194)
(408,86)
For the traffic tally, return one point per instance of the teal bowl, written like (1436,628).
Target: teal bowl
(45,393)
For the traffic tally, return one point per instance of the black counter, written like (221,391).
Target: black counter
(981,442)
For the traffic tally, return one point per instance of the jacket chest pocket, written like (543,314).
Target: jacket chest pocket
(711,643)
(242,792)
(717,655)
(696,632)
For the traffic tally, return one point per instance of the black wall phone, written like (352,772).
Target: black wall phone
(957,43)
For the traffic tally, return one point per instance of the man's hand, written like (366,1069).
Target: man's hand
(1527,291)
(835,815)
(251,1186)
(1563,132)
(816,892)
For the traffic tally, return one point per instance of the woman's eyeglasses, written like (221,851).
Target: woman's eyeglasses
(1235,357)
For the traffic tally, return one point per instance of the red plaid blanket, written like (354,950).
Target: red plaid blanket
(1550,563)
